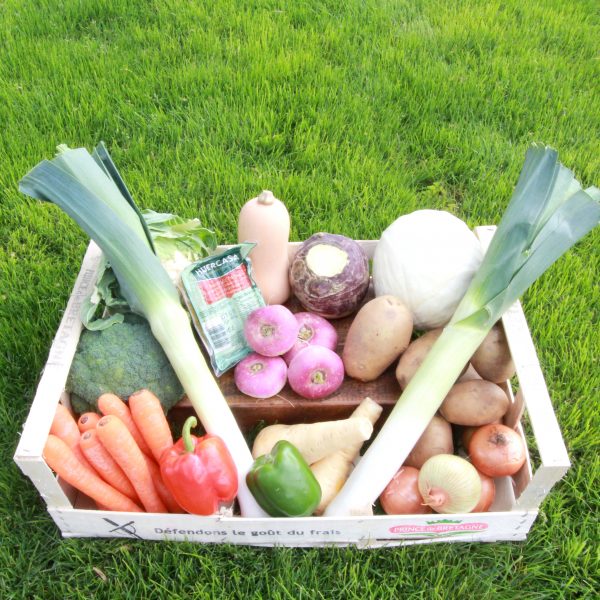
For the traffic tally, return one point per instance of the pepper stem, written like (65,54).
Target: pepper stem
(189,424)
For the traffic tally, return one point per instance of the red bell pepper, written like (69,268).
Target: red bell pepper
(199,472)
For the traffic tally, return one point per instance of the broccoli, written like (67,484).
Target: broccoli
(121,359)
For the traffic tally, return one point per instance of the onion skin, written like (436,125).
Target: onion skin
(449,484)
(488,494)
(337,295)
(497,450)
(401,495)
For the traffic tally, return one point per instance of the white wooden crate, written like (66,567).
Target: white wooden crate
(510,518)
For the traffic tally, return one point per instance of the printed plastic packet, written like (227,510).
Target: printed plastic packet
(220,293)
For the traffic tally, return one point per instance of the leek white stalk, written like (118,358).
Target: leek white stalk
(549,212)
(149,291)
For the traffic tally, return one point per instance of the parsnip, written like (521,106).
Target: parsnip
(333,470)
(315,440)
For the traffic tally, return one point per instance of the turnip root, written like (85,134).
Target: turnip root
(271,330)
(314,440)
(330,275)
(316,372)
(260,376)
(313,330)
(333,470)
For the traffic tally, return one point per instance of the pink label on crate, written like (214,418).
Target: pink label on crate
(438,528)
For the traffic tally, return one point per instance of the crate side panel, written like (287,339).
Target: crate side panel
(54,376)
(311,530)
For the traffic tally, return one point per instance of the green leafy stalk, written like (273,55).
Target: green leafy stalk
(173,234)
(150,292)
(549,212)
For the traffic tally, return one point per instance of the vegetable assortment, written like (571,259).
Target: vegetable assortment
(434,322)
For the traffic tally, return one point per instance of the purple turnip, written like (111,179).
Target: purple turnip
(313,330)
(271,330)
(330,275)
(260,376)
(315,372)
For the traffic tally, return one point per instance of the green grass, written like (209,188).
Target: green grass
(353,113)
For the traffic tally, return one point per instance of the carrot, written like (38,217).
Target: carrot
(87,421)
(65,427)
(105,464)
(161,488)
(61,459)
(110,404)
(148,415)
(119,442)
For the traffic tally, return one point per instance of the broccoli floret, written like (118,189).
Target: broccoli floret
(121,359)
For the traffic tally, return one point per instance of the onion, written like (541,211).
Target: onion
(402,496)
(449,484)
(497,450)
(488,494)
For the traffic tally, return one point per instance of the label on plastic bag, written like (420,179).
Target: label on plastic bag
(220,294)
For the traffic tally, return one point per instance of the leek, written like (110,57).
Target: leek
(548,213)
(148,290)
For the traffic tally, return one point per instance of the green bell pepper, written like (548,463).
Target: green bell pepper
(282,482)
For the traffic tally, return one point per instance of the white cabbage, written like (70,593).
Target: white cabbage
(427,259)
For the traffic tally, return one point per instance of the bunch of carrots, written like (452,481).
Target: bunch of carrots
(113,457)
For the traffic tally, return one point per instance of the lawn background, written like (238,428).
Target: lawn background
(353,113)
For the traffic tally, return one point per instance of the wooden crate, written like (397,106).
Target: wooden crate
(510,518)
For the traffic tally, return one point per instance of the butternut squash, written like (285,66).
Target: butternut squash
(266,221)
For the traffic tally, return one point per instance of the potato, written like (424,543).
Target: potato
(492,360)
(469,374)
(474,403)
(436,439)
(414,355)
(379,333)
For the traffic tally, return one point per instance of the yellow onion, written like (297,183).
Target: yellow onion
(449,484)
